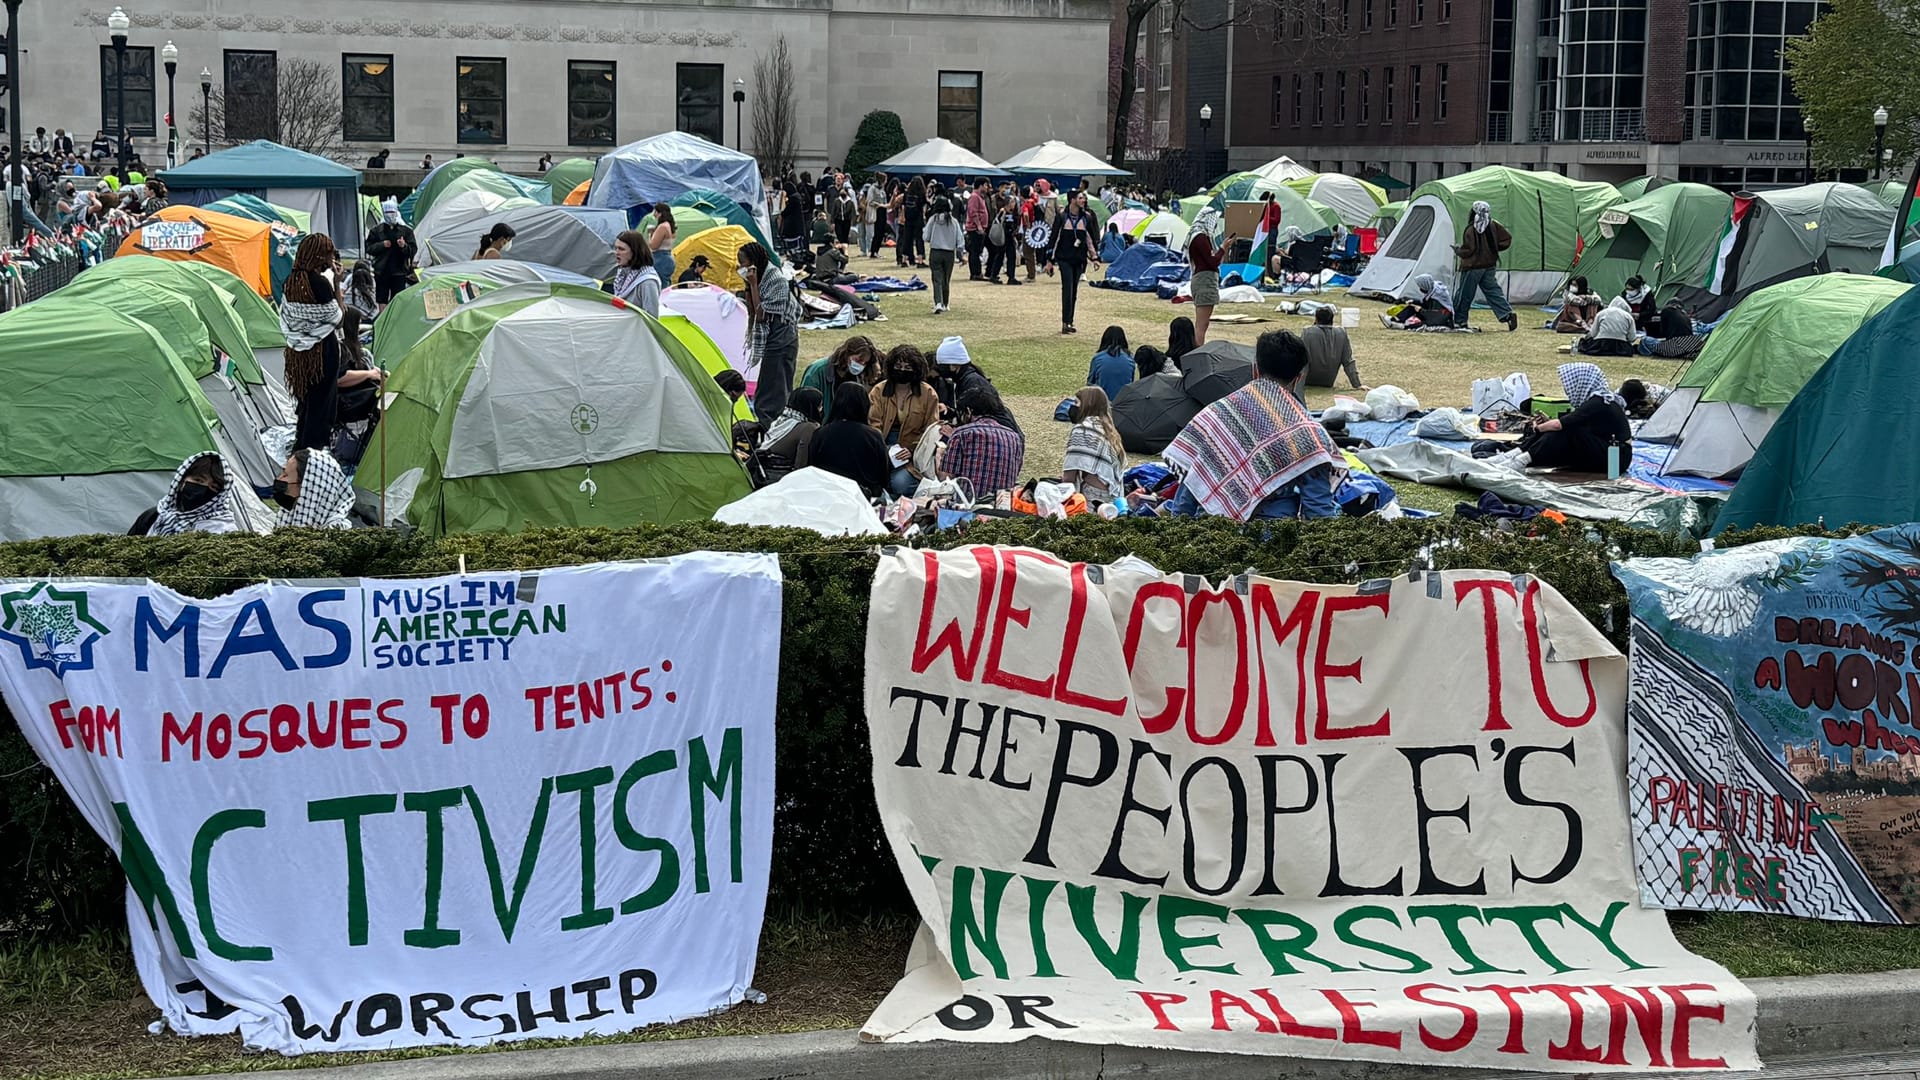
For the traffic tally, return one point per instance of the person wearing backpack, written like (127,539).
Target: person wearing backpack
(1003,236)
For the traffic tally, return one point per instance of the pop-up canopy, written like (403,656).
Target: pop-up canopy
(938,157)
(1055,158)
(327,190)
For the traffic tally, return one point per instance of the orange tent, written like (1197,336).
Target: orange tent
(578,196)
(191,234)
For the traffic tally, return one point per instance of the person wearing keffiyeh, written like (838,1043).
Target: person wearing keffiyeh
(1577,441)
(198,499)
(313,493)
(636,280)
(1479,253)
(1257,453)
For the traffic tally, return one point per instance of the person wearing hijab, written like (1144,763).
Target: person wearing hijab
(310,316)
(1578,440)
(199,499)
(636,273)
(1640,302)
(849,446)
(785,445)
(1432,305)
(392,247)
(1479,253)
(1612,334)
(313,493)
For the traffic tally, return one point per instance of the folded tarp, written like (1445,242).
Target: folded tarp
(888,284)
(1140,268)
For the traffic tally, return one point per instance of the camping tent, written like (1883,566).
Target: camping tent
(100,413)
(415,205)
(405,321)
(565,175)
(1057,161)
(454,209)
(1790,233)
(686,222)
(938,157)
(238,245)
(326,190)
(1755,363)
(1667,237)
(722,247)
(1312,217)
(725,211)
(1140,268)
(505,185)
(1827,457)
(1162,228)
(252,206)
(521,411)
(1641,185)
(1887,191)
(1551,218)
(658,169)
(705,352)
(1282,169)
(578,196)
(719,314)
(575,238)
(1356,201)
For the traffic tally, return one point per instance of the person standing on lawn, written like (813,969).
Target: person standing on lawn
(1479,253)
(1075,234)
(979,217)
(393,249)
(943,248)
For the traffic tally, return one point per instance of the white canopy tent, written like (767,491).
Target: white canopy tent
(1055,158)
(938,157)
(1281,169)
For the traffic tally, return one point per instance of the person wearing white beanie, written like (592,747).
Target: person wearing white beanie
(392,248)
(956,373)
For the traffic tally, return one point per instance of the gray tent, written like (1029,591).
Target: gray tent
(1810,229)
(1215,370)
(573,238)
(1151,411)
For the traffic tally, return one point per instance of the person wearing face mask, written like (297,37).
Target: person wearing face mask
(856,361)
(199,499)
(494,245)
(901,410)
(313,493)
(393,248)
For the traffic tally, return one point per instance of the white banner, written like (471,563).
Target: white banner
(371,814)
(1381,822)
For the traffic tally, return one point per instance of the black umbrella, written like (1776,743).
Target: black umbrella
(1215,370)
(1151,411)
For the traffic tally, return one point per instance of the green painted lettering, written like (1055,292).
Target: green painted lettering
(348,811)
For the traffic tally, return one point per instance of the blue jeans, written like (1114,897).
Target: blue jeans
(902,482)
(1486,281)
(1309,496)
(663,265)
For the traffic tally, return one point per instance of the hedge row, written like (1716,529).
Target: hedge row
(829,852)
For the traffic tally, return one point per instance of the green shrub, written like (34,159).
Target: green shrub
(829,851)
(879,137)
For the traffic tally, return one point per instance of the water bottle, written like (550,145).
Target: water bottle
(1613,457)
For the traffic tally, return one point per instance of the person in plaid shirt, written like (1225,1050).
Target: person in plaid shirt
(981,450)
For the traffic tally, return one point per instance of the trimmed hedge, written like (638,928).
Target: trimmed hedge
(829,851)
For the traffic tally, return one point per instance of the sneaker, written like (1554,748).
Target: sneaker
(1515,460)
(1513,322)
(1386,320)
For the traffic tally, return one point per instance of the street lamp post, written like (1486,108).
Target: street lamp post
(171,57)
(206,111)
(1206,122)
(117,24)
(16,175)
(739,111)
(1879,140)
(1806,172)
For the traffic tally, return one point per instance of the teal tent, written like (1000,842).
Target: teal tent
(1836,453)
(281,175)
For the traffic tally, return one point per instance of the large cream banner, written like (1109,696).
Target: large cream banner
(367,814)
(1382,822)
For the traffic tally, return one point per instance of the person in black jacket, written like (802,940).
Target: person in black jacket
(393,249)
(1076,240)
(848,446)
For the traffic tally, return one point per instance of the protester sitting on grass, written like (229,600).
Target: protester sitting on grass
(1640,302)
(784,447)
(1112,367)
(1577,308)
(1258,453)
(313,492)
(981,451)
(1612,334)
(1578,440)
(1329,351)
(857,360)
(1096,458)
(957,374)
(1431,306)
(1181,339)
(1672,336)
(1147,363)
(901,409)
(848,445)
(198,499)
(1642,398)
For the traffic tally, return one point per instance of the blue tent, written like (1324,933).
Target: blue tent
(656,170)
(281,175)
(1826,458)
(1141,268)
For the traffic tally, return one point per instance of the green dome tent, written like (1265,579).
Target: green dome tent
(1827,457)
(687,220)
(405,321)
(534,407)
(1668,237)
(566,175)
(415,206)
(1641,185)
(1757,361)
(258,316)
(1354,200)
(258,209)
(101,410)
(1295,208)
(724,211)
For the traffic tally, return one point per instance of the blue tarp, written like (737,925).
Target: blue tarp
(664,166)
(1140,268)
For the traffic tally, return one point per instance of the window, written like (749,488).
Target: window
(366,97)
(960,108)
(1340,98)
(139,88)
(1297,93)
(1273,119)
(1346,16)
(251,95)
(1166,74)
(1366,96)
(1446,10)
(480,90)
(1419,11)
(1413,94)
(1393,13)
(1319,97)
(590,103)
(1386,98)
(700,93)
(1440,93)
(1366,14)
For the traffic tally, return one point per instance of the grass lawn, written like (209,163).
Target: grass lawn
(76,1011)
(1014,335)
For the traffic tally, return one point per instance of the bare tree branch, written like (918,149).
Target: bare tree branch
(303,112)
(776,114)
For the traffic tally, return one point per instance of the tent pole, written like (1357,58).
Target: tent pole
(380,418)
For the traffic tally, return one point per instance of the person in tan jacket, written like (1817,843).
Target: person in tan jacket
(901,409)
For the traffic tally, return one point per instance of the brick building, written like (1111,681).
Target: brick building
(1181,67)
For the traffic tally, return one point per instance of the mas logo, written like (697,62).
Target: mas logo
(51,627)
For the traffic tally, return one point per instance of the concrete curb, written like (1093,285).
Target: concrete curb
(1870,1018)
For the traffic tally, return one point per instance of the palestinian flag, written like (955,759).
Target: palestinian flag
(1263,237)
(1729,243)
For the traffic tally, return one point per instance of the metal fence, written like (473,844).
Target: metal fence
(49,271)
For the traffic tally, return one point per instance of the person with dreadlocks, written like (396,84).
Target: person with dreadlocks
(310,315)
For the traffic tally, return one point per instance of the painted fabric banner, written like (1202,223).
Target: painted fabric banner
(1382,822)
(370,814)
(1774,758)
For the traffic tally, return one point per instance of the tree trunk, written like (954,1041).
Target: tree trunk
(1137,12)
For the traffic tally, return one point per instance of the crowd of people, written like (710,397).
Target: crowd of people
(61,188)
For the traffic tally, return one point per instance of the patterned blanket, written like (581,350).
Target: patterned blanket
(1248,445)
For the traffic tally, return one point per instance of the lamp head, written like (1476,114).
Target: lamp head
(206,79)
(1880,116)
(169,54)
(117,24)
(1206,114)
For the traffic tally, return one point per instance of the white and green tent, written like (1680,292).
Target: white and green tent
(541,406)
